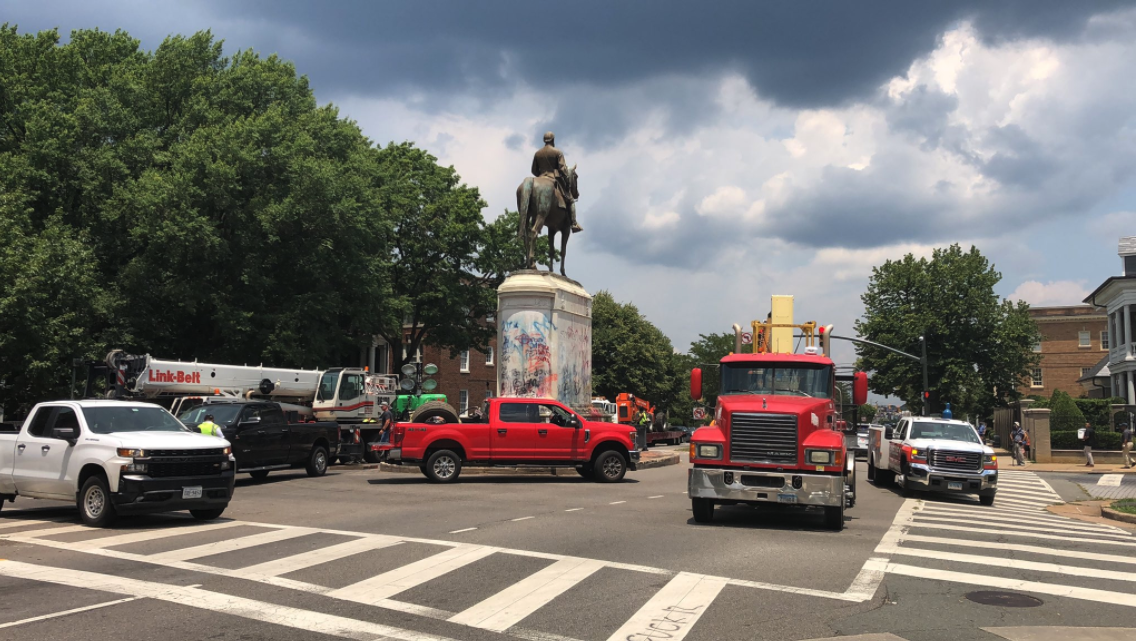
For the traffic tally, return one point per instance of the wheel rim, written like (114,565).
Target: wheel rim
(444,467)
(321,461)
(94,502)
(612,467)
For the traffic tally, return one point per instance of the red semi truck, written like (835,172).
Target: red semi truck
(516,431)
(774,436)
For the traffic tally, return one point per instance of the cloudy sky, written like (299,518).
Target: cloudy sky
(732,150)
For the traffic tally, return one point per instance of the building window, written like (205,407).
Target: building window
(1037,347)
(489,356)
(1085,371)
(465,362)
(488,394)
(1104,340)
(417,354)
(1035,378)
(1084,339)
(463,401)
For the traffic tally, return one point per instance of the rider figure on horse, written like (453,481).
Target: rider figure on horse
(549,163)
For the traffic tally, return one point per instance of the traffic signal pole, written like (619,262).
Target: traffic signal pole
(926,391)
(922,361)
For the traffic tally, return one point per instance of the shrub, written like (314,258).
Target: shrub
(1064,414)
(1097,410)
(1066,440)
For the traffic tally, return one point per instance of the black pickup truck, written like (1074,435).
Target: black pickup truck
(264,441)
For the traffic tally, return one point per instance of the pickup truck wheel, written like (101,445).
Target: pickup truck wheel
(317,461)
(259,475)
(871,471)
(443,466)
(370,456)
(207,515)
(610,467)
(95,506)
(703,510)
(986,499)
(834,517)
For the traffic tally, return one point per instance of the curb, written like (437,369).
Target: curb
(1115,515)
(357,466)
(661,461)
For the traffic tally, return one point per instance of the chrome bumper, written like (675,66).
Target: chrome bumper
(776,487)
(923,477)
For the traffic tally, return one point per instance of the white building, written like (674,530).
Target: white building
(1117,296)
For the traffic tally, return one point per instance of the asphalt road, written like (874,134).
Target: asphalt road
(366,555)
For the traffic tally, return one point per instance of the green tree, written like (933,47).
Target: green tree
(979,347)
(630,355)
(706,353)
(1065,416)
(867,413)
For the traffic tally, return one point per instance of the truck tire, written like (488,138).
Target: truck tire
(871,470)
(317,461)
(207,515)
(610,467)
(435,409)
(986,499)
(369,455)
(703,510)
(95,505)
(259,475)
(443,466)
(834,517)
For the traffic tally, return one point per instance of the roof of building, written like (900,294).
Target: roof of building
(1091,298)
(1100,370)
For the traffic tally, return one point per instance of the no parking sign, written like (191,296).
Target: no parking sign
(699,413)
(747,338)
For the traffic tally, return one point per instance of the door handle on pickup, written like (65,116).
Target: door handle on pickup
(21,447)
(501,432)
(45,448)
(542,432)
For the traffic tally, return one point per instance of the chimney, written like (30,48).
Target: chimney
(1127,254)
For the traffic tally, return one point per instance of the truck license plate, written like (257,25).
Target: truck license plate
(191,492)
(786,498)
(954,485)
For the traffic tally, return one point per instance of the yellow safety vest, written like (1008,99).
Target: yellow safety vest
(209,428)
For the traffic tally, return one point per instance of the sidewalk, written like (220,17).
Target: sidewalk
(1006,462)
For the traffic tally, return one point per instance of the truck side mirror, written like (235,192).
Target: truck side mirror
(696,383)
(889,433)
(860,388)
(250,420)
(68,434)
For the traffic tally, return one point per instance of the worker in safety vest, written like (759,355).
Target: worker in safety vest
(209,428)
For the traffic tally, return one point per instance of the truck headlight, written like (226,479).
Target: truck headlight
(226,451)
(819,457)
(709,451)
(135,468)
(126,452)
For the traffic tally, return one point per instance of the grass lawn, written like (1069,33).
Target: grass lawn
(1128,506)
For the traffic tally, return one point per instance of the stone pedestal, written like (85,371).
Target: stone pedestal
(544,339)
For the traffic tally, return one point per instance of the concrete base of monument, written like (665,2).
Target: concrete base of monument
(544,339)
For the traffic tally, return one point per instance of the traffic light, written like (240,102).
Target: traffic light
(825,339)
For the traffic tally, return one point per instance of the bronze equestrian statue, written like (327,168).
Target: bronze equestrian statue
(548,200)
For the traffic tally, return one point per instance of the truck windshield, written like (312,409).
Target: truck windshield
(107,420)
(222,414)
(814,381)
(944,431)
(328,382)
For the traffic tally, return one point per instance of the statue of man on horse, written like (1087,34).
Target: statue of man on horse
(548,199)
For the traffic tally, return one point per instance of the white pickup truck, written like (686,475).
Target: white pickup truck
(933,455)
(115,457)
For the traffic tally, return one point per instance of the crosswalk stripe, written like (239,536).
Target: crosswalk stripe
(1040,494)
(674,609)
(509,606)
(231,545)
(1110,480)
(398,580)
(13,523)
(1073,592)
(1051,537)
(278,567)
(1029,527)
(1004,510)
(1017,547)
(1039,505)
(149,535)
(1025,522)
(1016,564)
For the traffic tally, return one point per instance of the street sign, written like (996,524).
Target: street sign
(699,413)
(747,338)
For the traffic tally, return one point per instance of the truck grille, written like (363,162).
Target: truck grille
(165,470)
(763,438)
(183,453)
(957,461)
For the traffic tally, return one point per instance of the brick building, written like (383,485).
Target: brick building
(1073,340)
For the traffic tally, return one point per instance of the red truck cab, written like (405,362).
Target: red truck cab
(516,431)
(773,439)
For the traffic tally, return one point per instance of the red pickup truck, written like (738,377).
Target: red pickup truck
(516,431)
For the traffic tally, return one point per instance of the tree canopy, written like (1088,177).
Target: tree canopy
(630,355)
(979,347)
(197,206)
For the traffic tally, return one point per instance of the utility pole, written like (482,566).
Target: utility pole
(926,392)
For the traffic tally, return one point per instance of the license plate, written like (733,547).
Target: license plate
(954,486)
(786,498)
(191,492)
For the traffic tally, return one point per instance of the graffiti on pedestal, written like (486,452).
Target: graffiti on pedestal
(574,373)
(526,355)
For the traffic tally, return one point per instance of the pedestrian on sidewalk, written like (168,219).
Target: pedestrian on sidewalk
(1018,438)
(1089,439)
(982,432)
(1126,445)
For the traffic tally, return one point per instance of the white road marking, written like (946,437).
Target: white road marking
(1032,549)
(11,523)
(928,521)
(575,509)
(523,518)
(65,529)
(1017,564)
(388,584)
(1024,494)
(468,529)
(506,608)
(616,502)
(149,535)
(674,610)
(67,612)
(656,497)
(978,519)
(1051,537)
(1072,592)
(215,603)
(278,567)
(230,545)
(1110,480)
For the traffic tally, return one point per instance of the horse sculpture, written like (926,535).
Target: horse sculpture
(539,207)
